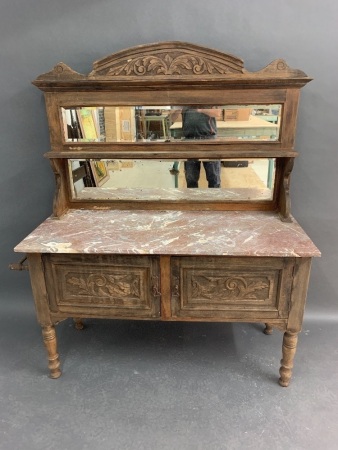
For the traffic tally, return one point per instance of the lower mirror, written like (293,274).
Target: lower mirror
(160,180)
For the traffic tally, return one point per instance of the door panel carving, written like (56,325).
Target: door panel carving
(120,283)
(213,285)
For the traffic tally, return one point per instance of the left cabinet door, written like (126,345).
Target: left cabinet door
(124,286)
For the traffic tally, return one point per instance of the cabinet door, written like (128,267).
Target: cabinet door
(103,285)
(231,288)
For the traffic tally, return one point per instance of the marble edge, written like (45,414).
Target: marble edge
(37,247)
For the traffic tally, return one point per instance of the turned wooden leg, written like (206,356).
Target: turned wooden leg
(289,350)
(78,323)
(49,339)
(268,329)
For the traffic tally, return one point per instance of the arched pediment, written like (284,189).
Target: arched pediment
(170,64)
(167,59)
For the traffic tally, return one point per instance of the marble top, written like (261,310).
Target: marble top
(230,233)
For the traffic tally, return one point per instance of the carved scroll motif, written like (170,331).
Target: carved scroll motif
(167,59)
(230,288)
(170,65)
(103,286)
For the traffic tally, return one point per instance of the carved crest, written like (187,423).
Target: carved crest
(169,62)
(167,59)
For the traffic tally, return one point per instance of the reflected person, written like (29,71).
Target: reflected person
(200,123)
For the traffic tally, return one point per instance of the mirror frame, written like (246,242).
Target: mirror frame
(173,73)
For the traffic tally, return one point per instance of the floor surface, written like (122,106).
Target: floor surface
(150,385)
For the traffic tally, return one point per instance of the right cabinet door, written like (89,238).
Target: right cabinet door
(247,288)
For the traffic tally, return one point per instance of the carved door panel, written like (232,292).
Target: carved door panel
(231,288)
(103,285)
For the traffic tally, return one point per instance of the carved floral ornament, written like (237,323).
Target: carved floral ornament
(192,65)
(169,60)
(109,285)
(170,65)
(235,287)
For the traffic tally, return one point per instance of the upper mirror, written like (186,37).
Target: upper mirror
(171,123)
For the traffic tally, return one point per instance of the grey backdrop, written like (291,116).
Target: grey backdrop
(35,35)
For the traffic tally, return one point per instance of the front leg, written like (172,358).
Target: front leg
(49,339)
(289,349)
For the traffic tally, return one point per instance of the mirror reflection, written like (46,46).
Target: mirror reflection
(237,180)
(171,123)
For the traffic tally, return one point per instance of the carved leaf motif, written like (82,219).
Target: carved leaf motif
(81,284)
(253,287)
(227,287)
(169,65)
(156,65)
(182,62)
(98,285)
(168,59)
